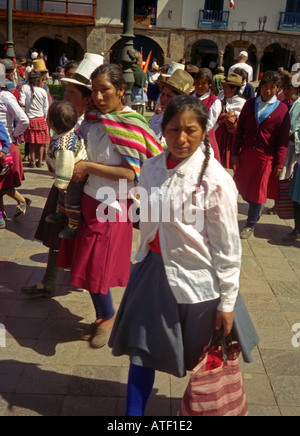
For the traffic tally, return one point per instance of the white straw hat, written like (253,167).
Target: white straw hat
(173,67)
(84,70)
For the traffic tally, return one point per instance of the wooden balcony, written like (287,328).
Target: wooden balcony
(65,12)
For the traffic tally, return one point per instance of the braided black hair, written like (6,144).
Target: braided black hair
(184,103)
(34,79)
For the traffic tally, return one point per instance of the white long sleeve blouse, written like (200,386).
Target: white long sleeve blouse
(202,258)
(36,106)
(10,111)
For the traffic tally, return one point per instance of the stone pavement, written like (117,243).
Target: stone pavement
(46,370)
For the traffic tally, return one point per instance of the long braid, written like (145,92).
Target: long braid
(207,158)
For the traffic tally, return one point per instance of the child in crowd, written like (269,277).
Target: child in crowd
(205,90)
(66,148)
(187,282)
(35,100)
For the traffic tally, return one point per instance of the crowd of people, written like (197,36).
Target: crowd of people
(186,282)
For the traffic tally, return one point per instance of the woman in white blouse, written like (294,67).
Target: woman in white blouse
(15,122)
(232,104)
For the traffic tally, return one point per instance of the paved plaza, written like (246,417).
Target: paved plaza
(45,370)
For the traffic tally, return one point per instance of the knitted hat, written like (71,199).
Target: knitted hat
(84,70)
(180,81)
(234,80)
(39,65)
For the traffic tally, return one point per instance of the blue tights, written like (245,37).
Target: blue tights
(103,305)
(253,214)
(140,384)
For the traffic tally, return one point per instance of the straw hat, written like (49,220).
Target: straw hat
(84,70)
(39,65)
(180,81)
(155,66)
(173,67)
(234,80)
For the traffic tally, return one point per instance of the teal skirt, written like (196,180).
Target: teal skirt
(295,185)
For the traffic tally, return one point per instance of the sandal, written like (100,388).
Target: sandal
(22,208)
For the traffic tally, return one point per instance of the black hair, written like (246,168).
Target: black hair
(115,75)
(270,76)
(70,65)
(183,103)
(206,74)
(34,79)
(62,115)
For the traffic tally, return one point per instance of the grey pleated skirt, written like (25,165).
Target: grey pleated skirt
(160,334)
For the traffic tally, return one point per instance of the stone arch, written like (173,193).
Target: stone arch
(143,42)
(55,47)
(203,52)
(276,55)
(234,47)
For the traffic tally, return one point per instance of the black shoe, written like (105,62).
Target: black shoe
(290,237)
(35,292)
(67,234)
(55,218)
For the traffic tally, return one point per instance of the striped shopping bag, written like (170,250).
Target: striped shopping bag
(284,205)
(216,386)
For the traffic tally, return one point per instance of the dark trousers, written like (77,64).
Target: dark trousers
(253,214)
(297,216)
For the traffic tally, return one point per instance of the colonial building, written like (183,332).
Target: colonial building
(201,31)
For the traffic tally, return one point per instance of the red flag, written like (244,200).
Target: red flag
(145,68)
(231,2)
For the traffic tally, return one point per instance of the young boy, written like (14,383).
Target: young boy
(65,150)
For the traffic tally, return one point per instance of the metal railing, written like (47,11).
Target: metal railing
(213,19)
(289,21)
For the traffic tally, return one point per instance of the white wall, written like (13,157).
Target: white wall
(185,13)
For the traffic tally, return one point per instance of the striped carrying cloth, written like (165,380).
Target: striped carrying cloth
(215,389)
(130,133)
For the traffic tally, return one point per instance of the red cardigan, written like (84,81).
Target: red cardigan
(271,136)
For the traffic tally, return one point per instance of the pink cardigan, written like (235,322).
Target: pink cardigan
(270,137)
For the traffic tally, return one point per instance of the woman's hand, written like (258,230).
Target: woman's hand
(235,161)
(80,173)
(277,172)
(224,319)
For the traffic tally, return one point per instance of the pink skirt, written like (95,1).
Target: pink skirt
(14,178)
(37,131)
(99,255)
(254,178)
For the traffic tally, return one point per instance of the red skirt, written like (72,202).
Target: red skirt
(14,178)
(254,178)
(225,143)
(214,144)
(99,255)
(37,131)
